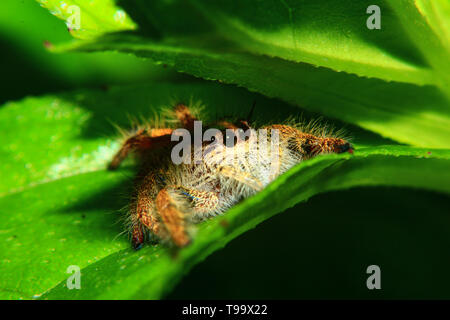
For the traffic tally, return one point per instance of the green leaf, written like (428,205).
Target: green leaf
(406,113)
(96,17)
(427,24)
(56,192)
(323,34)
(416,115)
(25,27)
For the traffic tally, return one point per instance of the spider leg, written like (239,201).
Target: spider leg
(137,235)
(178,207)
(143,140)
(185,116)
(172,217)
(143,214)
(145,211)
(144,218)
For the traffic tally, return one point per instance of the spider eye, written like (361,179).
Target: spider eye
(307,146)
(346,147)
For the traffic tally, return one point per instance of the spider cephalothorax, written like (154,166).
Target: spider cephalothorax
(170,196)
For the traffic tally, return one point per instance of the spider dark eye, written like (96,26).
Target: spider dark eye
(307,146)
(347,147)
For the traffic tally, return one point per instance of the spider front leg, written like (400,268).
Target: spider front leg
(143,213)
(143,140)
(176,206)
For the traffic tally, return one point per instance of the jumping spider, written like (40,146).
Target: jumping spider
(169,198)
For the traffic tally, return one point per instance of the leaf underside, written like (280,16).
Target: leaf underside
(319,57)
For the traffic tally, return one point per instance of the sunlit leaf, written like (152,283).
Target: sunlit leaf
(89,19)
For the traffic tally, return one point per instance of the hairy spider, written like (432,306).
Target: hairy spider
(170,196)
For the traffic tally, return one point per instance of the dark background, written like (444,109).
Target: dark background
(322,248)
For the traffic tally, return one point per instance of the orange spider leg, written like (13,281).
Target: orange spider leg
(185,116)
(177,204)
(153,138)
(143,212)
(172,217)
(142,140)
